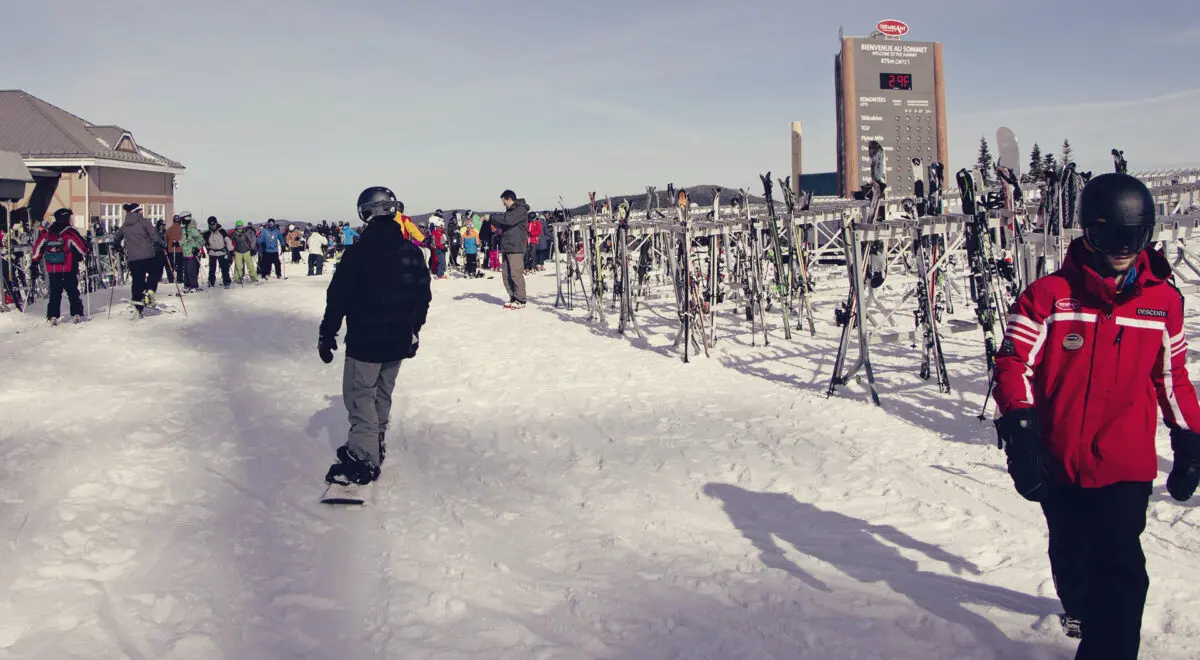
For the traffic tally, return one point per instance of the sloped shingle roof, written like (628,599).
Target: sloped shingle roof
(35,128)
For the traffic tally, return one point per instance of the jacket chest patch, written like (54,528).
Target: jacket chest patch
(1158,313)
(1073,342)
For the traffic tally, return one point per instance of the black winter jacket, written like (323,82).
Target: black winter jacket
(381,287)
(516,228)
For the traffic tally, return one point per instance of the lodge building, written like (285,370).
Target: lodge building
(89,168)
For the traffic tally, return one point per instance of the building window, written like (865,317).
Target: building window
(156,212)
(110,216)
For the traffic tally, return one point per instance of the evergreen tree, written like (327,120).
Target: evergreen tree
(1066,152)
(985,162)
(1035,164)
(1049,164)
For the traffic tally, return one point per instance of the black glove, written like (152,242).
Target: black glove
(325,348)
(195,252)
(1021,438)
(1185,473)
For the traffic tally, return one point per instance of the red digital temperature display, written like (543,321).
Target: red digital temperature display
(897,81)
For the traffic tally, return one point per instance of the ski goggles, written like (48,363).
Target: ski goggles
(1112,240)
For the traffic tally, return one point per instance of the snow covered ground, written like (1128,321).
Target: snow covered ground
(554,491)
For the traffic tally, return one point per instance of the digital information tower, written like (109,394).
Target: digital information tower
(891,91)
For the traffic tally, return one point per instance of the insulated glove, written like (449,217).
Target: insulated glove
(325,348)
(1185,473)
(1021,438)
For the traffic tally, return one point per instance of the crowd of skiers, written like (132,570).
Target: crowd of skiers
(513,244)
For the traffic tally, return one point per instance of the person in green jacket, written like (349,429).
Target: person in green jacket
(192,244)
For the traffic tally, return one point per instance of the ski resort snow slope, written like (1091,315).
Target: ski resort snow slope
(553,491)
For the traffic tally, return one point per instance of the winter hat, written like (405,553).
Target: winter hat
(271,222)
(132,206)
(185,217)
(212,219)
(239,223)
(62,215)
(291,227)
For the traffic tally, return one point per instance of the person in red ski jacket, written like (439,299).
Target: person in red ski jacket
(1091,354)
(535,233)
(62,249)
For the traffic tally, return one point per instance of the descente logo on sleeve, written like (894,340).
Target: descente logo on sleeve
(1143,311)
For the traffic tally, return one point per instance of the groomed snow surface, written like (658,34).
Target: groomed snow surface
(553,490)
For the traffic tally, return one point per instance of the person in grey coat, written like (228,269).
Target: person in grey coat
(142,246)
(513,243)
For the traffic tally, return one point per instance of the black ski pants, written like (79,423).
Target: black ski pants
(166,268)
(139,275)
(191,272)
(266,260)
(1098,565)
(316,264)
(60,282)
(154,273)
(454,255)
(223,262)
(176,265)
(472,264)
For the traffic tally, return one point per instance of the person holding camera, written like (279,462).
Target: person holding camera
(1091,355)
(514,242)
(381,288)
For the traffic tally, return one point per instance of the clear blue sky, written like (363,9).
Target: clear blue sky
(289,109)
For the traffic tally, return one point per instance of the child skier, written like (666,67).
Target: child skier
(62,249)
(470,243)
(1092,352)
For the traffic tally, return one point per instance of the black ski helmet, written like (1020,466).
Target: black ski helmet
(376,200)
(1116,213)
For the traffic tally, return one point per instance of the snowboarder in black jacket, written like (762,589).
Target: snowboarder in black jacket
(382,288)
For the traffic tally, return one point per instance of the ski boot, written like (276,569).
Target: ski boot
(53,321)
(1071,626)
(351,470)
(148,299)
(77,319)
(382,447)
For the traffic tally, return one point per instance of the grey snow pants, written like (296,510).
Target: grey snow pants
(513,274)
(367,392)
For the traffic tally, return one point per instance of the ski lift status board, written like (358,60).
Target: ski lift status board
(891,91)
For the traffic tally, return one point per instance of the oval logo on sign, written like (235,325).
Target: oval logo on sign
(1067,305)
(1073,342)
(892,27)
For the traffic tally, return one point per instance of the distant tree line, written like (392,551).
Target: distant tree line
(1039,163)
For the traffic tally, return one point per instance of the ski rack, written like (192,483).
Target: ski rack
(643,258)
(899,237)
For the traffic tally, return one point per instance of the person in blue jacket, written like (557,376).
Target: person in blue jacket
(270,242)
(348,235)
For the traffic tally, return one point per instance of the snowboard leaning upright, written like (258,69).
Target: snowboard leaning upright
(1010,152)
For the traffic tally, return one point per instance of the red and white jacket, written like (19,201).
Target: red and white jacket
(1097,364)
(60,247)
